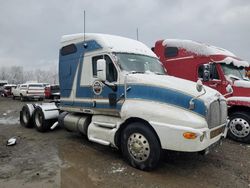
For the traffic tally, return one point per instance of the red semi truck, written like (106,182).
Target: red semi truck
(225,72)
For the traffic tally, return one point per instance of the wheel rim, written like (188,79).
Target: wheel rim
(38,119)
(239,127)
(25,116)
(138,147)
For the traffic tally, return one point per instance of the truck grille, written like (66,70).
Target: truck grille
(217,113)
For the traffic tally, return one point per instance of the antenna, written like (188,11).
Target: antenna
(84,43)
(137,34)
(84,25)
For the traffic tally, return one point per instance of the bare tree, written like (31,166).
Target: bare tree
(18,75)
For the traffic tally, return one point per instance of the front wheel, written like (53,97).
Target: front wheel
(140,146)
(239,127)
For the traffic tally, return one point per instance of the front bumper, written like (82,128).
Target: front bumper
(34,97)
(171,137)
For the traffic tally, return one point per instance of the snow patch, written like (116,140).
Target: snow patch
(196,47)
(9,121)
(117,168)
(112,42)
(205,49)
(242,83)
(236,62)
(244,99)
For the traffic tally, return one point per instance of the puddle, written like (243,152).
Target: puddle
(9,120)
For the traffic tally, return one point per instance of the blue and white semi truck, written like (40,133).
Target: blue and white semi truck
(115,91)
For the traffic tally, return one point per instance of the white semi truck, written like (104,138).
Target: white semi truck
(115,91)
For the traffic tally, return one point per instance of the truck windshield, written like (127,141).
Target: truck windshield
(136,63)
(234,72)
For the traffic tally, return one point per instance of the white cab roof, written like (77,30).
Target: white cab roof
(111,42)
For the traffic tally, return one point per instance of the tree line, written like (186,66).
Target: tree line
(19,75)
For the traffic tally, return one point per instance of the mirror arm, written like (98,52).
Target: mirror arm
(110,85)
(191,102)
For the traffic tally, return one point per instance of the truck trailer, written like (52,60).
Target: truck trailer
(186,59)
(115,91)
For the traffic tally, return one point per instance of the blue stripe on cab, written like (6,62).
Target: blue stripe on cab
(165,95)
(90,105)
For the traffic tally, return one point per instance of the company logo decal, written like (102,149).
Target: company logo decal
(97,87)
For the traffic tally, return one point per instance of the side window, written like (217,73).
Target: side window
(94,65)
(171,52)
(23,86)
(69,49)
(110,68)
(213,72)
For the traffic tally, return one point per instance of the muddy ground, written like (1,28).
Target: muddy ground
(63,159)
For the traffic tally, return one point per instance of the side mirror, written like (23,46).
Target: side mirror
(101,69)
(206,72)
(199,86)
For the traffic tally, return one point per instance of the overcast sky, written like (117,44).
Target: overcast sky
(30,31)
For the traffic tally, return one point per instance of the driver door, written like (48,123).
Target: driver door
(104,96)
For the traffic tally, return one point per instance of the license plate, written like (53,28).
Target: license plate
(216,132)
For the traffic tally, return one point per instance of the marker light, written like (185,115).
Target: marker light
(189,135)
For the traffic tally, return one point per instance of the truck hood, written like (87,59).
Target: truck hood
(173,84)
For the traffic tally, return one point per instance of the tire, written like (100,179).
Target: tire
(140,146)
(13,97)
(26,119)
(239,127)
(40,123)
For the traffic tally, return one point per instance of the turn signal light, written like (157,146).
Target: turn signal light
(189,135)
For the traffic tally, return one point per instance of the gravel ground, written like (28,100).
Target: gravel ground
(63,159)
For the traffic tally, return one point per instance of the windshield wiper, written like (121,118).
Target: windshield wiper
(136,72)
(158,73)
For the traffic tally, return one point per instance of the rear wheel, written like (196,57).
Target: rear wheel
(140,146)
(26,118)
(239,127)
(40,123)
